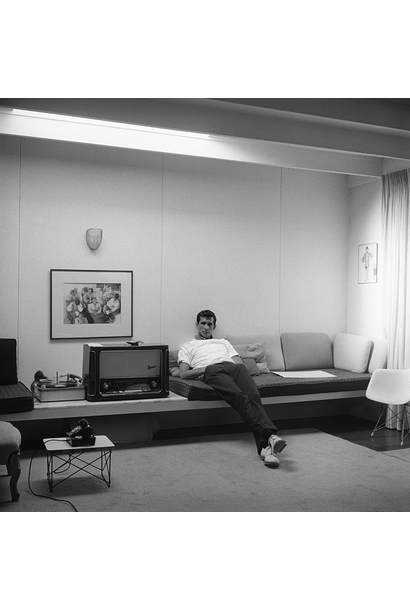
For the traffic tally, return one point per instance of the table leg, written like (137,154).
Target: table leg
(74,459)
(50,470)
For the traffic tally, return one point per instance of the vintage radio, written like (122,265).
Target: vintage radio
(125,372)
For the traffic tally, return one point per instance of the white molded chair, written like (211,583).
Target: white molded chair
(390,387)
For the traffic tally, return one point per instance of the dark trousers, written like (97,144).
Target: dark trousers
(233,383)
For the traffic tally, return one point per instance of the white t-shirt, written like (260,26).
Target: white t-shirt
(203,352)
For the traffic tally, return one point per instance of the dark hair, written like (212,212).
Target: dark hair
(206,313)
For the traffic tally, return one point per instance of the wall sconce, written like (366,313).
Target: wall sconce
(93,237)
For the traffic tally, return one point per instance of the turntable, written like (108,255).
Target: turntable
(63,387)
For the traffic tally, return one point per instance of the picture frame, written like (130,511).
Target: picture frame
(367,263)
(88,304)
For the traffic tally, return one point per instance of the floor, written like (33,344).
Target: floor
(371,475)
(353,429)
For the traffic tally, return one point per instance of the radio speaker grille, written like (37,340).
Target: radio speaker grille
(128,364)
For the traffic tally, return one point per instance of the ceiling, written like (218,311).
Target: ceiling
(358,137)
(404,101)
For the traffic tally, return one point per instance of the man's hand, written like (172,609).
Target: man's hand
(187,373)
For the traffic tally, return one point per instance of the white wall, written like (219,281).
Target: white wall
(220,246)
(314,242)
(364,300)
(266,249)
(9,232)
(65,189)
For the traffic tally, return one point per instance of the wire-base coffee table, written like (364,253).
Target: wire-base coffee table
(63,458)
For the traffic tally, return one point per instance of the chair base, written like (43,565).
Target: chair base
(405,421)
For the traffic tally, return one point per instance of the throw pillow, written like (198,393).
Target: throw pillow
(252,350)
(251,366)
(263,367)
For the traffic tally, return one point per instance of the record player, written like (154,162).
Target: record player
(62,387)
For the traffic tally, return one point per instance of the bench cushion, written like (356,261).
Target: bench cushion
(270,384)
(15,398)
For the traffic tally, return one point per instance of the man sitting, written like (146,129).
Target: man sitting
(220,366)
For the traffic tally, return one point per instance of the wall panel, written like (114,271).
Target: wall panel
(265,248)
(220,247)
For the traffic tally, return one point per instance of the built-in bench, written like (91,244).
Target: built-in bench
(291,352)
(300,365)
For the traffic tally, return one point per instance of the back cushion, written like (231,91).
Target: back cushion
(8,366)
(378,354)
(306,351)
(351,352)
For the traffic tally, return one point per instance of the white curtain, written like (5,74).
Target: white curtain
(395,275)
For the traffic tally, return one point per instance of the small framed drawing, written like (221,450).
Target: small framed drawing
(367,264)
(87,304)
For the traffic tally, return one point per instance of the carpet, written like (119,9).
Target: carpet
(400,454)
(318,473)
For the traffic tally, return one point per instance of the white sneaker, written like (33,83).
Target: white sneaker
(268,454)
(269,457)
(277,443)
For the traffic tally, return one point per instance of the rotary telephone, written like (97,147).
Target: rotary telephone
(81,434)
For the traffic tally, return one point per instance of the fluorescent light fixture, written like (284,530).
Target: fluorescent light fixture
(49,116)
(63,128)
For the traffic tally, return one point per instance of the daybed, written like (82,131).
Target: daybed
(350,360)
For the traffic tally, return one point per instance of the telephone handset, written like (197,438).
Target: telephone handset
(81,434)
